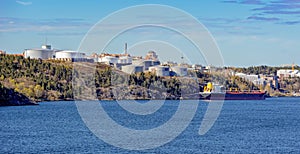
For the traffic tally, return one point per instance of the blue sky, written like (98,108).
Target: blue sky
(248,32)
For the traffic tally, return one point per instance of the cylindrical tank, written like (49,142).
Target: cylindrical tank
(69,54)
(109,59)
(39,53)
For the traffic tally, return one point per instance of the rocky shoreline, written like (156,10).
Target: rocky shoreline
(9,97)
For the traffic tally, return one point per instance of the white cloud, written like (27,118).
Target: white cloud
(24,3)
(8,24)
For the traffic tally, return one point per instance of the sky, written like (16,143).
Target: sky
(247,32)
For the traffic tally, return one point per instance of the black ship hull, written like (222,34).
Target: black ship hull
(234,96)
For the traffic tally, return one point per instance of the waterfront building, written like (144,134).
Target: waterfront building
(286,73)
(160,70)
(126,59)
(180,71)
(108,59)
(146,63)
(131,69)
(40,53)
(255,79)
(115,59)
(69,55)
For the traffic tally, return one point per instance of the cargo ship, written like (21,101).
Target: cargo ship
(212,92)
(228,95)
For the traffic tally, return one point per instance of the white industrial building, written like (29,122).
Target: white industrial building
(250,77)
(131,69)
(125,60)
(115,59)
(241,75)
(69,54)
(72,56)
(160,70)
(108,60)
(255,79)
(47,53)
(146,63)
(286,73)
(180,71)
(43,53)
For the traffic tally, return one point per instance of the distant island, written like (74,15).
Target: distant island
(27,80)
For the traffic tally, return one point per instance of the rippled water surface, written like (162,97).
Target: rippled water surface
(268,126)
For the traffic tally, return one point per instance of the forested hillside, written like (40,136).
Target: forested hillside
(36,79)
(47,80)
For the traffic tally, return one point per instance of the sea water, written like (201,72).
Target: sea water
(267,126)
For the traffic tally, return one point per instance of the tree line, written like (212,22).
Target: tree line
(43,80)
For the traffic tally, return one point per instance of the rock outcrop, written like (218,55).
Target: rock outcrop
(9,97)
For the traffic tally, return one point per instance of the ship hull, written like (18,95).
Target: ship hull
(234,96)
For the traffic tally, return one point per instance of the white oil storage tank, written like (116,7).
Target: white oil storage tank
(44,53)
(68,54)
(108,59)
(38,53)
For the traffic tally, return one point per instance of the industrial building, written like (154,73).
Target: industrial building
(146,63)
(179,71)
(255,79)
(108,59)
(151,59)
(116,59)
(44,53)
(286,73)
(125,60)
(131,69)
(160,70)
(73,56)
(69,54)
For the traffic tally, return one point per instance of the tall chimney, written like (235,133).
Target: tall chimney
(125,50)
